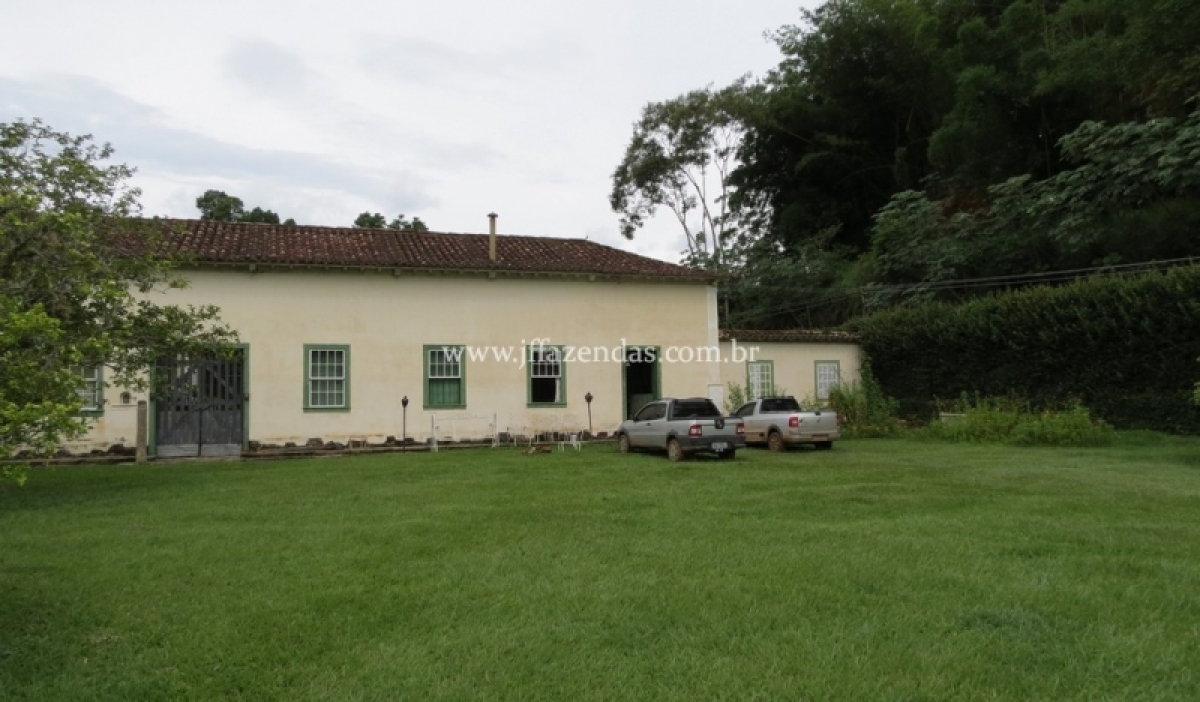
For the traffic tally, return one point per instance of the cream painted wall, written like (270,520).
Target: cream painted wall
(794,363)
(386,320)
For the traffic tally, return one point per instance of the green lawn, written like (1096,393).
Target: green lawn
(886,569)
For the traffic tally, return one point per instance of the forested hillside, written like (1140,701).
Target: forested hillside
(932,149)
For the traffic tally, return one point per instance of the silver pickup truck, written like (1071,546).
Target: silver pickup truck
(682,427)
(779,422)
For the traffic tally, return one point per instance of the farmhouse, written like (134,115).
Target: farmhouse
(361,334)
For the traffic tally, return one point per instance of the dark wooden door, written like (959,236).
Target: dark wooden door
(200,406)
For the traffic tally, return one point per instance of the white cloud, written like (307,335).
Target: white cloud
(442,110)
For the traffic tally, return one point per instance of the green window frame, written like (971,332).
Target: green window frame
(326,378)
(545,376)
(445,370)
(827,375)
(760,379)
(91,391)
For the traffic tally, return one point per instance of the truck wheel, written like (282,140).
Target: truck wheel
(623,443)
(727,455)
(823,445)
(775,442)
(674,450)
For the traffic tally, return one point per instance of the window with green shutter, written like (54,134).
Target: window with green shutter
(829,374)
(547,377)
(760,379)
(91,391)
(326,377)
(445,378)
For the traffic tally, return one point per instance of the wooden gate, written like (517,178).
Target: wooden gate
(200,406)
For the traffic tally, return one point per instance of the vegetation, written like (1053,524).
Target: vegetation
(735,397)
(681,158)
(1012,421)
(881,569)
(72,284)
(901,147)
(1125,346)
(367,220)
(864,408)
(217,206)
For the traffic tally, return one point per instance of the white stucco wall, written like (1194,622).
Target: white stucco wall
(386,320)
(794,363)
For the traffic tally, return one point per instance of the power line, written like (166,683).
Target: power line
(829,297)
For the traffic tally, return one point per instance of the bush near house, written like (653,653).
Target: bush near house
(1123,346)
(1012,421)
(864,408)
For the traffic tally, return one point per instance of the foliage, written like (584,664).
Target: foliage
(218,206)
(367,220)
(680,158)
(73,285)
(735,397)
(864,408)
(1132,194)
(901,145)
(1123,345)
(1007,420)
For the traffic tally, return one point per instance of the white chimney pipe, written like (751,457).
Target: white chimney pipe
(492,235)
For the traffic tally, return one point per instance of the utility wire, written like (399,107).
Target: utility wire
(830,297)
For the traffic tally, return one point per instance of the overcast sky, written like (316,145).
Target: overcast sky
(319,111)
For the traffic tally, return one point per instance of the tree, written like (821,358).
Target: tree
(261,216)
(368,220)
(1128,193)
(217,206)
(76,263)
(680,157)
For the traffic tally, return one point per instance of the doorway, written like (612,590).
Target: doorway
(640,377)
(200,406)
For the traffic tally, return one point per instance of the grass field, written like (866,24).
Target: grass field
(885,569)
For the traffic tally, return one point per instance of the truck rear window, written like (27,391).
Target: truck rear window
(781,404)
(696,409)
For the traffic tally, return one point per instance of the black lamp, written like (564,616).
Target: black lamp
(588,399)
(404,426)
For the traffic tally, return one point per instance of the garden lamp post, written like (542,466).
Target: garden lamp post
(404,425)
(588,399)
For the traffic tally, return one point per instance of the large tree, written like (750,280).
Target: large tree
(76,262)
(680,158)
(881,151)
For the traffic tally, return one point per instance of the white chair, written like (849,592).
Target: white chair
(570,440)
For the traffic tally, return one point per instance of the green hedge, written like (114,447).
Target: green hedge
(1127,347)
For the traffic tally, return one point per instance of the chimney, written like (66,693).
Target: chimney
(492,235)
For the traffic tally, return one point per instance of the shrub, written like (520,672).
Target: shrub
(1007,420)
(734,398)
(1123,345)
(737,395)
(864,408)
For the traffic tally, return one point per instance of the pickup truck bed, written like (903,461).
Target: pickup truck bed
(778,422)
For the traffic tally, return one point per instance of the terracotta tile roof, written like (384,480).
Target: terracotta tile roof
(790,335)
(206,242)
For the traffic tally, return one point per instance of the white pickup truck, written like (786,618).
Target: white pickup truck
(778,422)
